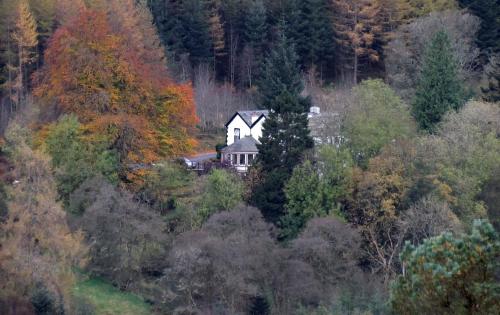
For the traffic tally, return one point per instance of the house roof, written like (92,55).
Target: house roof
(246,144)
(247,115)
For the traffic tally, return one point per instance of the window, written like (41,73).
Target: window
(242,159)
(236,134)
(250,158)
(234,161)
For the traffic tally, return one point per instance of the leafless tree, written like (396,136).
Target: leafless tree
(405,52)
(215,102)
(227,262)
(426,218)
(127,241)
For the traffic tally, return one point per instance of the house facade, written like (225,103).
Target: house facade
(244,130)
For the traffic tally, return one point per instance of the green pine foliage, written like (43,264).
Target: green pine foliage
(310,28)
(255,26)
(285,134)
(450,275)
(439,89)
(489,12)
(184,29)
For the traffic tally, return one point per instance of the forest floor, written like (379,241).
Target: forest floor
(108,300)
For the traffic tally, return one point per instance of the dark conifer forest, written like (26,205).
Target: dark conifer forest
(261,157)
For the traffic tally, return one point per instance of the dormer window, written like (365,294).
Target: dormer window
(236,134)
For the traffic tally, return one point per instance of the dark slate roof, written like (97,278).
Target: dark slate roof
(246,144)
(246,115)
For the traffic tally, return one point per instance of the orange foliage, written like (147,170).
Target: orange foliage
(96,70)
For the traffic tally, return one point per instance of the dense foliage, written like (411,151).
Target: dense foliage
(448,274)
(117,86)
(385,200)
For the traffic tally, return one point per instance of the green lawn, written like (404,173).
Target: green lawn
(108,300)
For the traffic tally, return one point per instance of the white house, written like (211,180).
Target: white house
(244,130)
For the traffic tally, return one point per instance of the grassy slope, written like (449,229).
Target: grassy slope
(108,300)
(208,139)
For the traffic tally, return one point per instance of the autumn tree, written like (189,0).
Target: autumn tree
(377,200)
(417,8)
(118,88)
(356,27)
(24,39)
(38,248)
(461,157)
(216,30)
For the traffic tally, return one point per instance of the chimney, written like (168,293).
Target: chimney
(315,110)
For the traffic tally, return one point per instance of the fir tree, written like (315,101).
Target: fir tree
(489,11)
(255,30)
(314,34)
(439,89)
(285,134)
(255,27)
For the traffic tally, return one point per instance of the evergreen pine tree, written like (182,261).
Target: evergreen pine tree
(255,27)
(255,31)
(285,134)
(187,27)
(259,306)
(314,34)
(488,38)
(439,89)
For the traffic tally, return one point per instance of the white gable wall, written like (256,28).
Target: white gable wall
(256,131)
(237,122)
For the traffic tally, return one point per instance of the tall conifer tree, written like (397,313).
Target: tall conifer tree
(285,135)
(25,37)
(439,89)
(315,46)
(489,11)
